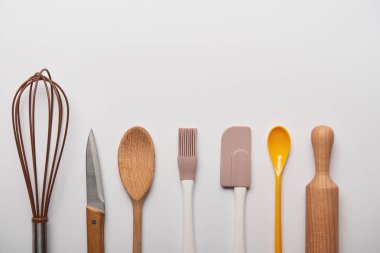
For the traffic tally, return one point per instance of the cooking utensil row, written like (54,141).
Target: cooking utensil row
(136,163)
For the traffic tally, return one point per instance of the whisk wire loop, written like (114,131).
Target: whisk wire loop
(55,97)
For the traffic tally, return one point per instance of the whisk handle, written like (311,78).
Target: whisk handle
(39,237)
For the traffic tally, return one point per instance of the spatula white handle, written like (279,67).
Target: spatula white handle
(239,243)
(188,225)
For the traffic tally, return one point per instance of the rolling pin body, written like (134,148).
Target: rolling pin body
(322,198)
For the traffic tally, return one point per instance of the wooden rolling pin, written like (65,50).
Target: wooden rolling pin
(322,198)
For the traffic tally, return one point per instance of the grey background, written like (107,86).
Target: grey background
(208,64)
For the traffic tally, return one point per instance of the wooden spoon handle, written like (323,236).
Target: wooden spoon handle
(137,226)
(322,138)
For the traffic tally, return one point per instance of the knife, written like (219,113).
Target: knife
(95,199)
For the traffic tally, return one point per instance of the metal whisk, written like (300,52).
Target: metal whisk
(39,200)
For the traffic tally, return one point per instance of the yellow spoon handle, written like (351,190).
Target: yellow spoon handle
(278,239)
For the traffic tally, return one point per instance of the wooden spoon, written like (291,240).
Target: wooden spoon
(136,169)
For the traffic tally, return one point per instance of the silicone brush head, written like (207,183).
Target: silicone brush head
(235,165)
(187,153)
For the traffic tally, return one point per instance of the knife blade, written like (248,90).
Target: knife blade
(95,199)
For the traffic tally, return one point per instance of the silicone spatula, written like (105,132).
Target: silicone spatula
(235,172)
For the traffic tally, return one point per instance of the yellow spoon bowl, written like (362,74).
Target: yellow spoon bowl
(279,148)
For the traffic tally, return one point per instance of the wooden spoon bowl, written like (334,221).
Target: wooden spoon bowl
(136,168)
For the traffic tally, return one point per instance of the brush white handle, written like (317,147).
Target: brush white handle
(239,243)
(188,225)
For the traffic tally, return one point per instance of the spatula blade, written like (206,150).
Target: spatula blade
(235,165)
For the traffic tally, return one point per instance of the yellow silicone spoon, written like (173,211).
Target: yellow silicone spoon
(279,148)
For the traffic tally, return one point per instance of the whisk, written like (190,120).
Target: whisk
(39,200)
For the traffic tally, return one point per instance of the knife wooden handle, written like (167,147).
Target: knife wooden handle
(322,198)
(95,230)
